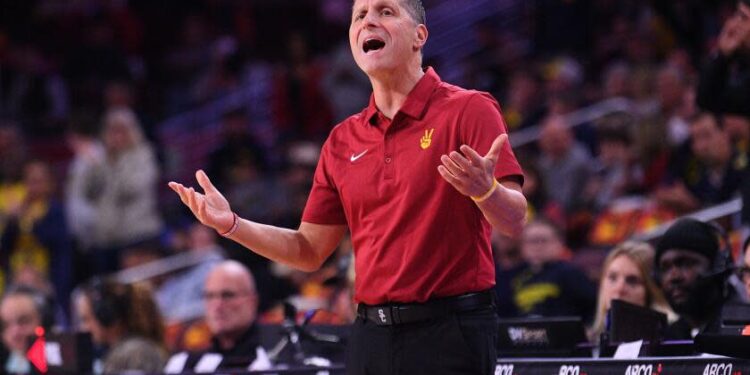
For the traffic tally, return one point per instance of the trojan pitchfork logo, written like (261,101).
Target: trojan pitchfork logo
(426,139)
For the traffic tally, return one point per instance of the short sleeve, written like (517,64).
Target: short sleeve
(324,203)
(481,122)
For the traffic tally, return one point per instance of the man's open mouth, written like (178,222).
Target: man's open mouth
(372,44)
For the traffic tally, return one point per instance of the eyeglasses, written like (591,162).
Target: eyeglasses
(223,295)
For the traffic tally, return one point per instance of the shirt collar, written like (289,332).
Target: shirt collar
(416,101)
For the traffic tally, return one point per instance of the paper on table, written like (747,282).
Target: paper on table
(628,350)
(209,362)
(176,363)
(261,362)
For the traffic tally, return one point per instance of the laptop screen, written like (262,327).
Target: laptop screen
(68,353)
(629,322)
(540,337)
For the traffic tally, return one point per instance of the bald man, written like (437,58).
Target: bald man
(231,308)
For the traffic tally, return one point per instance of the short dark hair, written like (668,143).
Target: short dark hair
(416,10)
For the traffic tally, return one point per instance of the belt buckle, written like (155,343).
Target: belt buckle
(383,315)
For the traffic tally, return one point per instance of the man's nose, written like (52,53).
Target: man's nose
(673,276)
(371,19)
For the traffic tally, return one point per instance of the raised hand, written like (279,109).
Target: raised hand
(733,34)
(471,174)
(210,208)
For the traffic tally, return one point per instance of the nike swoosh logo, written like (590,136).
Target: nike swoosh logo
(355,157)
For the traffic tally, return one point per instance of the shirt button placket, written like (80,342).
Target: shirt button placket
(388,156)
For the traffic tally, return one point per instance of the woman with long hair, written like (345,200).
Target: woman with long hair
(626,275)
(124,321)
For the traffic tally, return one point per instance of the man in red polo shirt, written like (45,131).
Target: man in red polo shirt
(419,177)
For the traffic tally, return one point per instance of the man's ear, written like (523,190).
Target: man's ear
(421,37)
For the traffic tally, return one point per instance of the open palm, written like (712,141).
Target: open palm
(210,208)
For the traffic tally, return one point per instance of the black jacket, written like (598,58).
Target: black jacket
(724,85)
(242,354)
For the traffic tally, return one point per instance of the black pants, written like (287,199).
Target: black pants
(457,343)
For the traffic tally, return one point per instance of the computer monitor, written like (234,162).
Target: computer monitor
(735,314)
(629,322)
(68,353)
(726,336)
(541,337)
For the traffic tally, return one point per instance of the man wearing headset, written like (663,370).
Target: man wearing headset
(692,271)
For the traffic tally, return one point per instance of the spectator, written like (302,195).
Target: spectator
(617,79)
(744,269)
(231,310)
(724,85)
(36,245)
(344,84)
(738,129)
(125,323)
(564,165)
(522,105)
(22,310)
(297,84)
(88,152)
(627,272)
(12,159)
(179,297)
(547,285)
(34,90)
(615,172)
(123,190)
(240,164)
(671,89)
(693,275)
(711,176)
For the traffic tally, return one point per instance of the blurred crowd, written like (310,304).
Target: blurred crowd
(85,85)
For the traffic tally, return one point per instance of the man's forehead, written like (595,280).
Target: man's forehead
(19,307)
(358,4)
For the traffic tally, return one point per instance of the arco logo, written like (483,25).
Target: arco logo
(639,370)
(718,369)
(504,370)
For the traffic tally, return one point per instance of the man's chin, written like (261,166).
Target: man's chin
(679,304)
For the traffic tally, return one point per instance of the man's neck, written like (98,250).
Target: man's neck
(390,92)
(228,340)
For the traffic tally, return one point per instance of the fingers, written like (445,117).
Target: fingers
(179,189)
(473,156)
(497,145)
(448,176)
(451,166)
(189,197)
(461,161)
(204,181)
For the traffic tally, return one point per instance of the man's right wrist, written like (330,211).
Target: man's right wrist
(233,228)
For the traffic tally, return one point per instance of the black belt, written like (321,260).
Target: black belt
(392,314)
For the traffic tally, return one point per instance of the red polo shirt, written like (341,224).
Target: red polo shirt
(415,237)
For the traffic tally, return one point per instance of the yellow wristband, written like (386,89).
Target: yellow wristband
(487,194)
